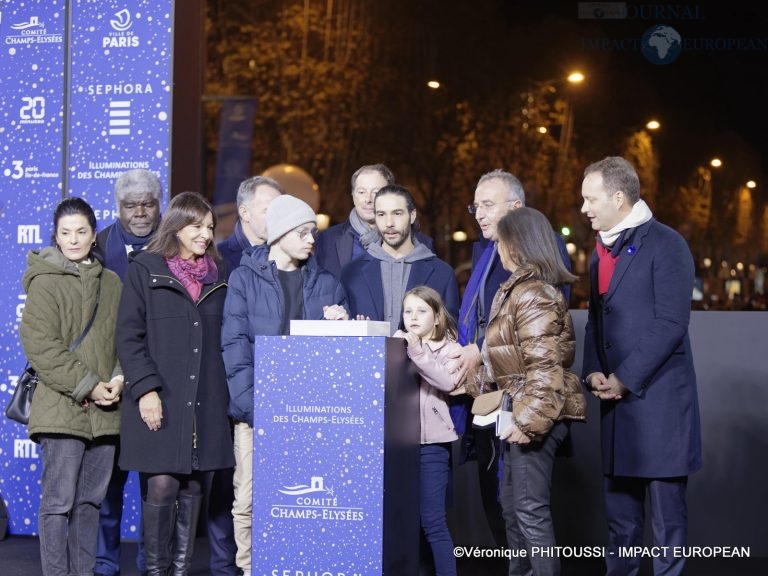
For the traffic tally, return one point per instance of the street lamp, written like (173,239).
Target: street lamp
(712,237)
(653,125)
(639,148)
(566,132)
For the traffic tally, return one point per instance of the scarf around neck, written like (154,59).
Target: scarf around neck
(640,214)
(468,315)
(193,274)
(368,235)
(115,253)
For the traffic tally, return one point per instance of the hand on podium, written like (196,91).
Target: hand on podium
(335,312)
(411,338)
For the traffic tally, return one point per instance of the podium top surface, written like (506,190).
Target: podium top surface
(339,328)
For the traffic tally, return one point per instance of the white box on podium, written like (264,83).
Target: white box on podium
(339,328)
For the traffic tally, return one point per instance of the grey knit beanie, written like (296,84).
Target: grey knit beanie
(285,213)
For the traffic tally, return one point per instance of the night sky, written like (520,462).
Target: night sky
(709,102)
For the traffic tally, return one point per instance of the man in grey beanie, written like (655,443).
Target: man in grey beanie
(276,283)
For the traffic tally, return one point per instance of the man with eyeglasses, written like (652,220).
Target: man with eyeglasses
(138,195)
(275,283)
(342,243)
(376,283)
(497,193)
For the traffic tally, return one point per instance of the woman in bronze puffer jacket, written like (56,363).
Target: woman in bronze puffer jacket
(528,348)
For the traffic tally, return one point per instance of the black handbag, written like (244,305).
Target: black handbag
(21,401)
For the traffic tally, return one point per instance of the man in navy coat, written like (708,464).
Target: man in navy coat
(638,362)
(253,198)
(376,283)
(342,243)
(497,193)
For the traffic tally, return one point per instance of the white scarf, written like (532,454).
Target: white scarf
(640,214)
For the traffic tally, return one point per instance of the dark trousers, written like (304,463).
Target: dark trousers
(221,530)
(487,448)
(625,511)
(435,470)
(73,483)
(525,498)
(110,520)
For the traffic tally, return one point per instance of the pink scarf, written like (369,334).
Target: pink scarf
(193,273)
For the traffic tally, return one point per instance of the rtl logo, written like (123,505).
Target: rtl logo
(28,234)
(24,449)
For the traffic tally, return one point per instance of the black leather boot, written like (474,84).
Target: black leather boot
(187,514)
(158,528)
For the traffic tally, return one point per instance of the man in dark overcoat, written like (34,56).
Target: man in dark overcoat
(638,362)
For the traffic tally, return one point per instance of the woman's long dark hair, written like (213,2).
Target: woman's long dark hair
(530,240)
(185,209)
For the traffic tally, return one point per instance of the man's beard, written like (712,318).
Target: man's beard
(401,239)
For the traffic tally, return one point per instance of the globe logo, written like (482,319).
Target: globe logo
(661,44)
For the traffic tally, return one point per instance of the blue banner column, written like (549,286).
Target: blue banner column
(86,95)
(120,90)
(32,41)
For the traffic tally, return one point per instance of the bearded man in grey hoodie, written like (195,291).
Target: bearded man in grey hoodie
(376,283)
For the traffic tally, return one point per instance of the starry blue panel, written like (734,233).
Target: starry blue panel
(120,95)
(31,140)
(120,70)
(318,455)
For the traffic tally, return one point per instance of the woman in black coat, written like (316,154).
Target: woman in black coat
(174,429)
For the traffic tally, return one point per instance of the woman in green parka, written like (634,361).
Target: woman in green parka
(75,414)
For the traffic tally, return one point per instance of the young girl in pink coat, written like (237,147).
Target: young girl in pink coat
(430,333)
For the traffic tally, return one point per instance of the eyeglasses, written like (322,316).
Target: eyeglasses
(473,208)
(305,233)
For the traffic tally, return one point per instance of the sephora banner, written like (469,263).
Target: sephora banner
(86,95)
(119,90)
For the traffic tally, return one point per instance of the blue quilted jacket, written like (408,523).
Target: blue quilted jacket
(255,307)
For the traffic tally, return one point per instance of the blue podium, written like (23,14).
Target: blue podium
(336,457)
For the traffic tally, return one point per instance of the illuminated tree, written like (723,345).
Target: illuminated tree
(309,66)
(639,151)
